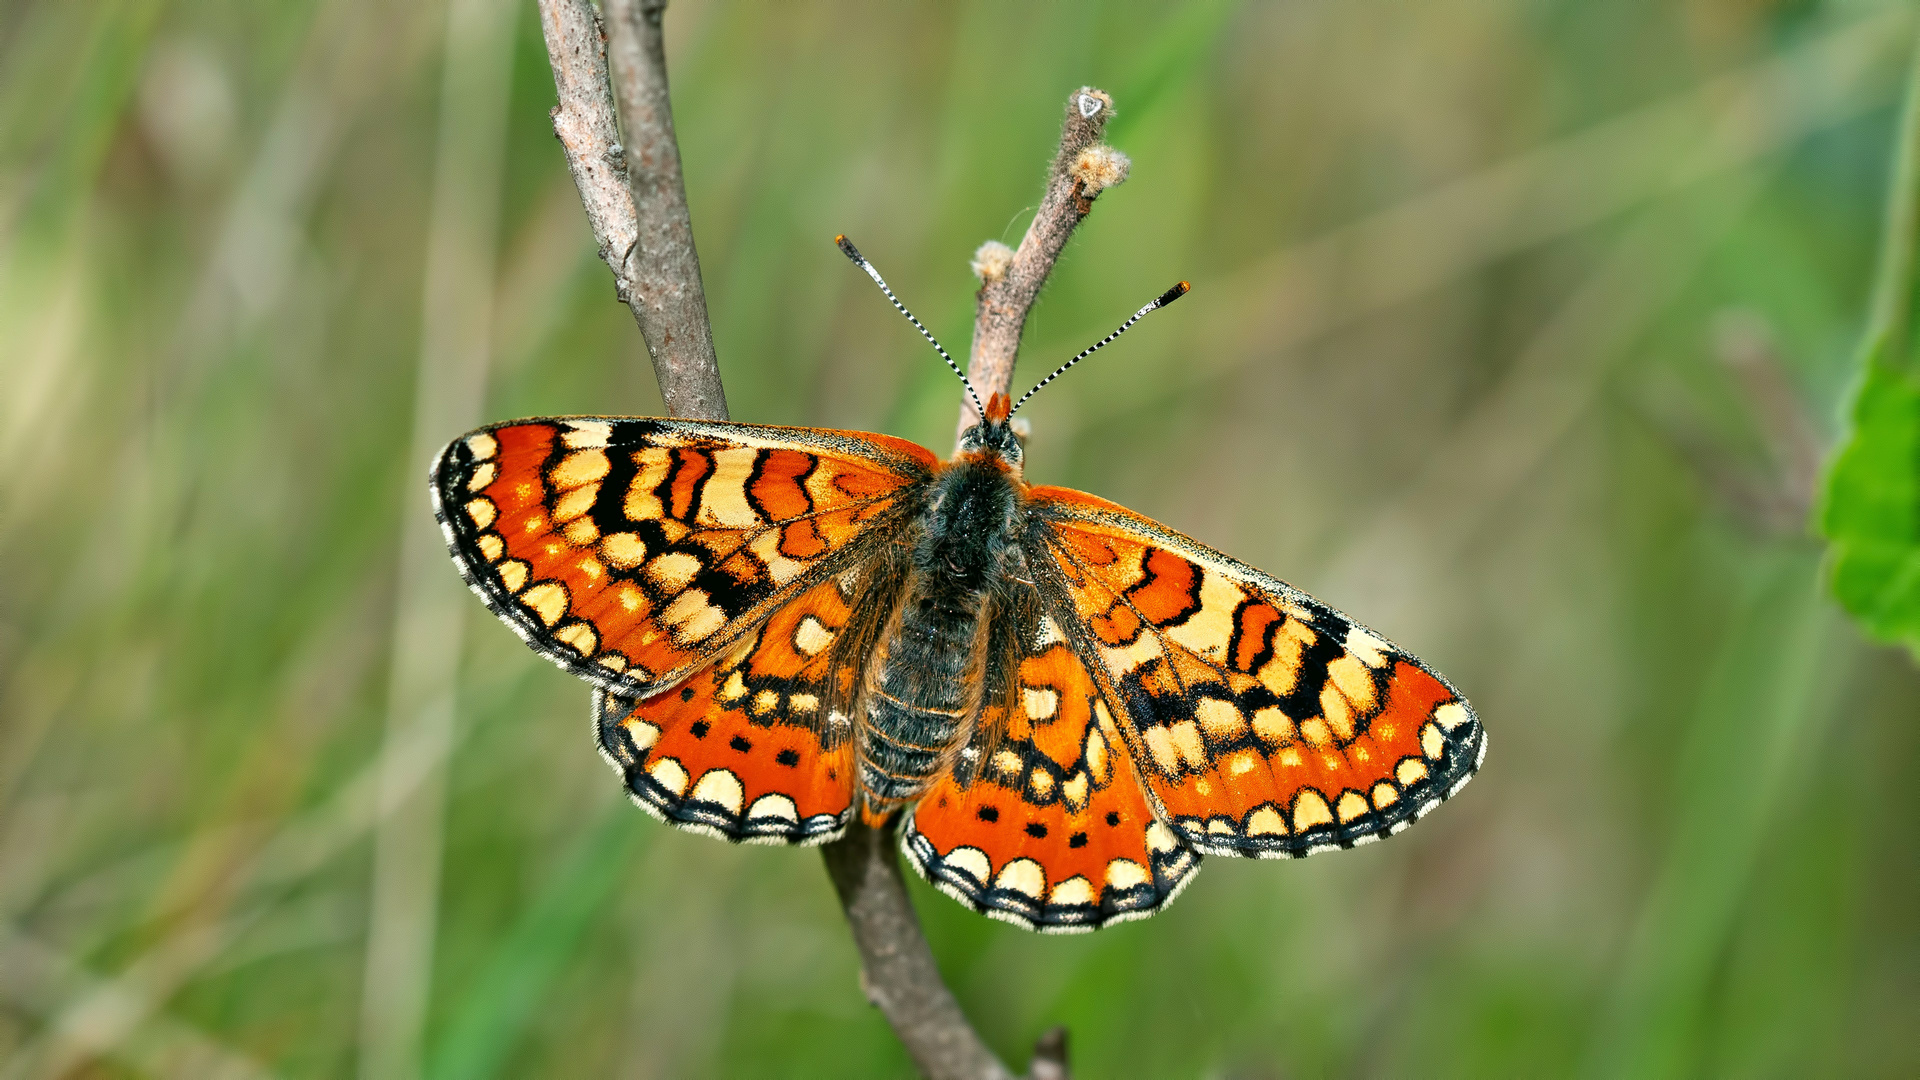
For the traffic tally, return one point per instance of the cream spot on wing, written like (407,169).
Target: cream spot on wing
(1354,681)
(1023,876)
(1316,733)
(766,547)
(582,532)
(1310,809)
(1125,874)
(675,570)
(1206,632)
(481,512)
(631,599)
(1186,739)
(1074,892)
(1410,771)
(1220,827)
(773,806)
(972,861)
(1006,763)
(803,703)
(548,600)
(1040,783)
(722,787)
(1451,715)
(1266,821)
(482,476)
(1431,741)
(587,434)
(513,575)
(734,689)
(1160,744)
(580,636)
(692,617)
(491,546)
(1371,650)
(1160,838)
(1220,719)
(765,702)
(1352,804)
(576,502)
(642,733)
(623,550)
(1122,661)
(1385,795)
(642,504)
(1274,726)
(668,774)
(1242,763)
(1041,703)
(1099,766)
(723,494)
(1283,671)
(579,467)
(1074,791)
(482,446)
(613,662)
(811,637)
(1339,715)
(1047,633)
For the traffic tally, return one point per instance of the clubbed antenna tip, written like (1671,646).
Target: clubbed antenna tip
(1179,290)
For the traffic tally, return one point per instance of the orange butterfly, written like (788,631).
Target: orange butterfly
(1070,703)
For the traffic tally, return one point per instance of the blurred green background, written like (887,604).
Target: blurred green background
(1519,329)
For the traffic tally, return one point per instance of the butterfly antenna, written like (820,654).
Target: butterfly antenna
(1163,300)
(859,260)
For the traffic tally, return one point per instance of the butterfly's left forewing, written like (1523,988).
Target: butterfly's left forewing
(633,552)
(1264,723)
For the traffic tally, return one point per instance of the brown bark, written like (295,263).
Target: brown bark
(1005,299)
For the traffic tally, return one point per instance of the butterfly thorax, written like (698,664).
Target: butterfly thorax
(923,687)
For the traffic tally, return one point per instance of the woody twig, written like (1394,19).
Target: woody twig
(1010,278)
(633,191)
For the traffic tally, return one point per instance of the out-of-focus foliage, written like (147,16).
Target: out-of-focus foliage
(1519,330)
(1872,505)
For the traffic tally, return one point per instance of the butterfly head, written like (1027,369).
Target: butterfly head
(993,436)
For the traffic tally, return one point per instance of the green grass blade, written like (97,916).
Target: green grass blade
(487,1022)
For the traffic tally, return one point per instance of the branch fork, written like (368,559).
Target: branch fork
(635,199)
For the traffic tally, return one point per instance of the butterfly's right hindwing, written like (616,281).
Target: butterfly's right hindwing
(632,552)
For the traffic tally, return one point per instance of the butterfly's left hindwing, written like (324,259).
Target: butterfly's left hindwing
(1264,723)
(632,552)
(757,747)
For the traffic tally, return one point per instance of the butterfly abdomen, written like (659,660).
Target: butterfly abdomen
(922,689)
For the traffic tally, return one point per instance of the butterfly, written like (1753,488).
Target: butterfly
(1064,703)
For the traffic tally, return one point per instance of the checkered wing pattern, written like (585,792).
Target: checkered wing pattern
(757,747)
(1042,821)
(1263,723)
(635,552)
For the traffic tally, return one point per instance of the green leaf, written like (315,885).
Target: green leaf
(1870,509)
